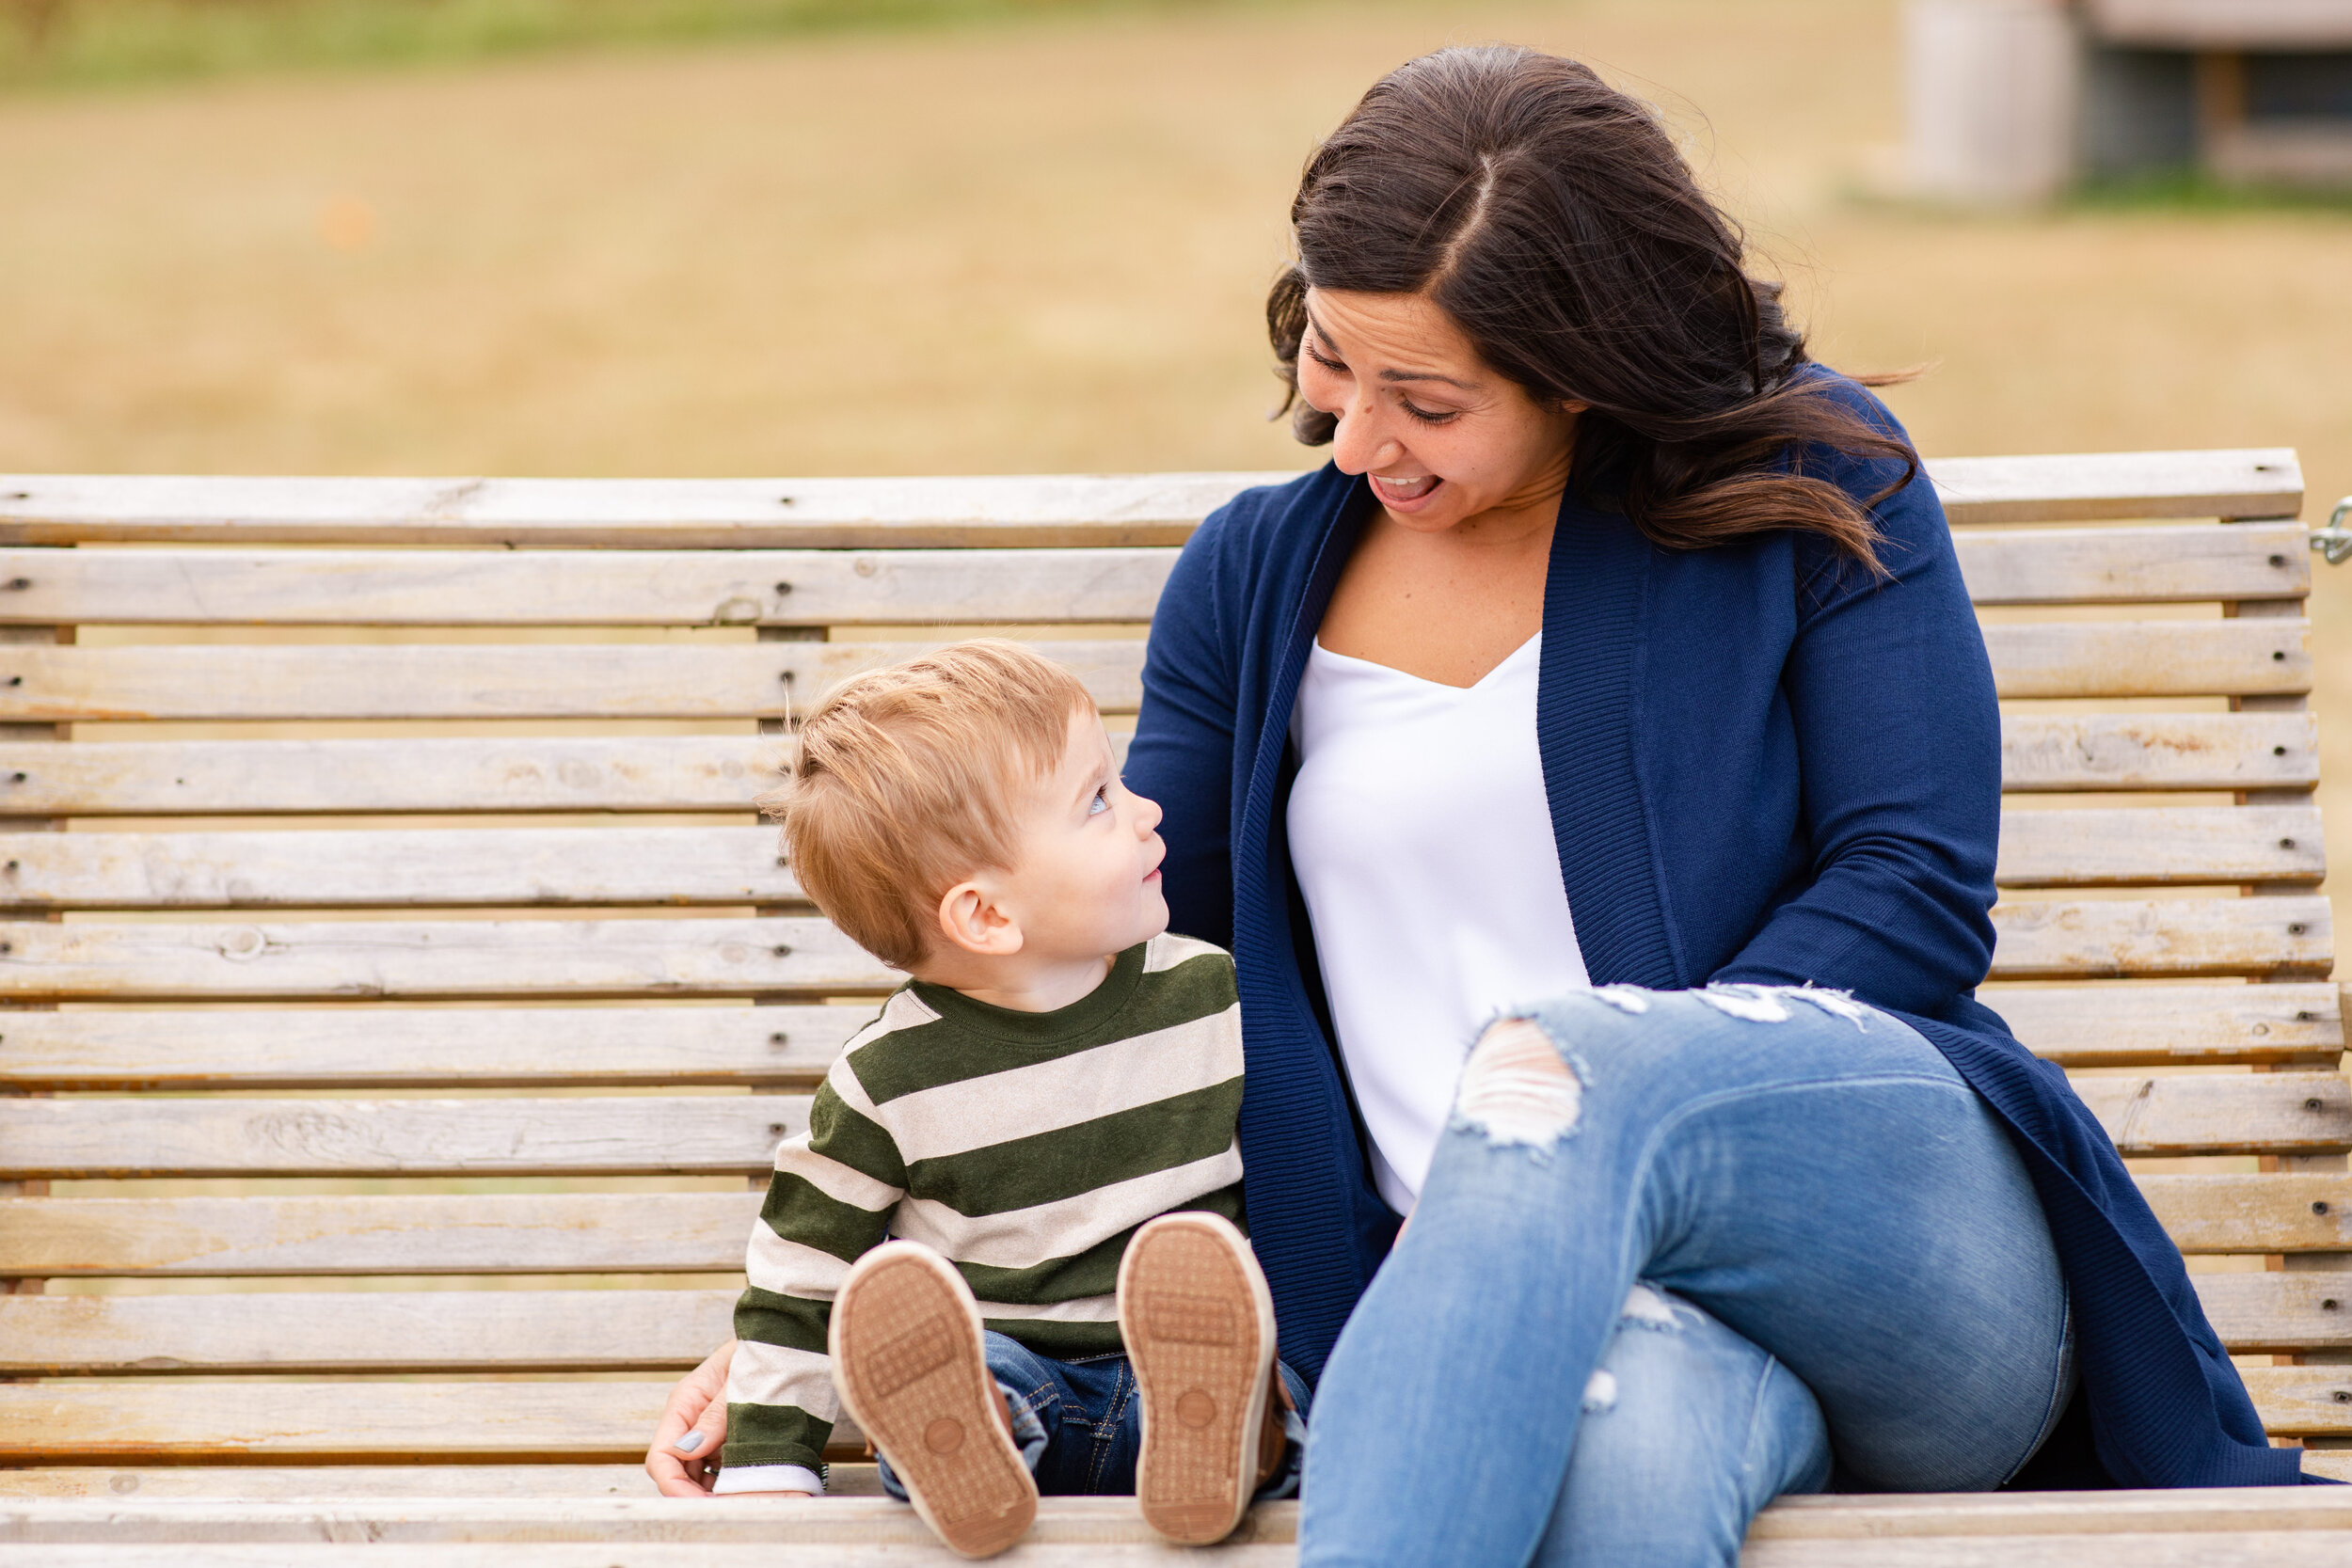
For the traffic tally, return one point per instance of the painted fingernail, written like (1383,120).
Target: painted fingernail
(689,1443)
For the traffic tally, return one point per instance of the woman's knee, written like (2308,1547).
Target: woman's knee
(1688,1431)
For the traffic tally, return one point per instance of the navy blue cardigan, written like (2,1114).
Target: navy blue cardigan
(1763,766)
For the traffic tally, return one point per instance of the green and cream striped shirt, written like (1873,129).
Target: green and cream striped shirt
(1025,1148)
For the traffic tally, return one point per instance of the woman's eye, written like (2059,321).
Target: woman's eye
(1317,355)
(1101,801)
(1431,415)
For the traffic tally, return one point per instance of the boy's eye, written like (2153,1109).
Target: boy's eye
(1101,801)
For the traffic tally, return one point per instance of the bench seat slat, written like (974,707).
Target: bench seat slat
(2065,940)
(391,959)
(673,1135)
(519,866)
(2148,750)
(2149,658)
(686,588)
(2111,1024)
(396,1047)
(473,681)
(2273,1212)
(1009,509)
(694,773)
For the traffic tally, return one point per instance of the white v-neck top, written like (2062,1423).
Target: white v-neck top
(1420,834)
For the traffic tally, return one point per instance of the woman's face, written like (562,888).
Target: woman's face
(1444,438)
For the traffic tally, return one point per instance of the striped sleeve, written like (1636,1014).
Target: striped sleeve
(829,1201)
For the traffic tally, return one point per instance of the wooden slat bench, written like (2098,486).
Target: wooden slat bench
(398,1003)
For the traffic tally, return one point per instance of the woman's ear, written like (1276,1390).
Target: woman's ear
(973,922)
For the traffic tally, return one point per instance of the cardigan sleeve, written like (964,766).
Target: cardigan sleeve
(1899,764)
(1183,754)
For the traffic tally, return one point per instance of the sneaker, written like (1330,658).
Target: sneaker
(1199,1323)
(908,1359)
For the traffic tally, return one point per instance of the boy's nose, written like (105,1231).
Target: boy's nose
(1147,817)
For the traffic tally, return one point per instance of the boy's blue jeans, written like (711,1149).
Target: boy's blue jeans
(1743,1234)
(1080,1423)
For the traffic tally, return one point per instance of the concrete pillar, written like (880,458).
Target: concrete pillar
(1993,99)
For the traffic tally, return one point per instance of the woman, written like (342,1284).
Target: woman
(1616,683)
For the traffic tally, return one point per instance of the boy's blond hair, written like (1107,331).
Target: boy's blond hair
(906,781)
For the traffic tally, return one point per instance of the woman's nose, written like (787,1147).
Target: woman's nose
(1361,445)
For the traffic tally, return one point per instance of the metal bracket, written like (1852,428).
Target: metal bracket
(2335,540)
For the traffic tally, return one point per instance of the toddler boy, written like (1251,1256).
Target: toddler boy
(1042,1117)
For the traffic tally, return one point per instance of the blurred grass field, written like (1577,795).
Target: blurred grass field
(995,235)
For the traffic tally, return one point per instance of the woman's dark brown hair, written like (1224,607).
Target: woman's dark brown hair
(1553,218)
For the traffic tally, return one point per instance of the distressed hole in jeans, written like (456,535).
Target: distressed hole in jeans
(1600,1392)
(1515,1089)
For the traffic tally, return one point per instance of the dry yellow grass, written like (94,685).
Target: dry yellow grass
(1021,248)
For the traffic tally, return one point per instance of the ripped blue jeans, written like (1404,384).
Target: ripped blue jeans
(1650,1210)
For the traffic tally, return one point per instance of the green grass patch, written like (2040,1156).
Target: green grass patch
(56,44)
(2194,191)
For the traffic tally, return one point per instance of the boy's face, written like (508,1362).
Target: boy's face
(1088,882)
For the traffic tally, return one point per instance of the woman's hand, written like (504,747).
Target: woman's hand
(685,1453)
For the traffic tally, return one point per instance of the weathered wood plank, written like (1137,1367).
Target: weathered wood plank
(735,865)
(2313,1400)
(1017,510)
(327,1421)
(512,866)
(364,1331)
(139,778)
(2089,486)
(2271,1113)
(670,588)
(718,957)
(2149,658)
(2295,1310)
(2090,848)
(684,1135)
(585,588)
(393,960)
(114,1484)
(485,1233)
(2108,1024)
(2142,750)
(2041,753)
(2276,1212)
(609,681)
(636,1330)
(2067,938)
(663,1553)
(675,773)
(2093,565)
(313,1047)
(756,680)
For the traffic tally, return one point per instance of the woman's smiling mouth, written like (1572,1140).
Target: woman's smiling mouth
(1404,490)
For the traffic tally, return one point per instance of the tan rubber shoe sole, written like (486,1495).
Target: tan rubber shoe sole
(1199,1323)
(908,1359)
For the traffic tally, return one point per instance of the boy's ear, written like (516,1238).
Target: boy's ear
(972,922)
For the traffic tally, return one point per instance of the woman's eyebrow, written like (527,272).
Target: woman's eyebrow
(1426,376)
